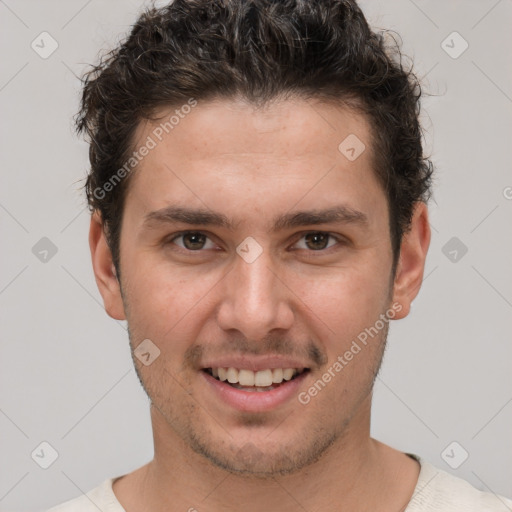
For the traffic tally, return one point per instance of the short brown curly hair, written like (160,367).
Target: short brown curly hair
(258,50)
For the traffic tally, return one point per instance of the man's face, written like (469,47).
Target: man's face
(257,295)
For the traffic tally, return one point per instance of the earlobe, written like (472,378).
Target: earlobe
(411,264)
(104,270)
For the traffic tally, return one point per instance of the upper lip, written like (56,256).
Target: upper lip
(254,363)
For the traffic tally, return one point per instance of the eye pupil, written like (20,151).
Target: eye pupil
(197,240)
(317,238)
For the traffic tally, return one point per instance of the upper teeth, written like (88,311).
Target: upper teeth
(262,378)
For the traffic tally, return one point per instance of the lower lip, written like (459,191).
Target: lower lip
(255,401)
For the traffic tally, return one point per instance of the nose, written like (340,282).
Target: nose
(255,299)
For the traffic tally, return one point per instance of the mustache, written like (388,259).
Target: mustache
(270,345)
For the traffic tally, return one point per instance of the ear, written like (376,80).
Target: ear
(104,270)
(411,263)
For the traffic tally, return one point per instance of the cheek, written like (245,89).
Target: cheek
(354,343)
(347,299)
(166,306)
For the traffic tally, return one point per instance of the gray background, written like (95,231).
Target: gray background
(66,374)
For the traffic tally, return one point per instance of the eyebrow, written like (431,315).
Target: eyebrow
(340,214)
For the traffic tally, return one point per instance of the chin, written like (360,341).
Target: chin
(263,459)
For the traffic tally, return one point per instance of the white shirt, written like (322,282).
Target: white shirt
(435,491)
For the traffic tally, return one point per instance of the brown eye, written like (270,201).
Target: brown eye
(192,241)
(317,241)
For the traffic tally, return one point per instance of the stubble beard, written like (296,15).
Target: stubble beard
(249,460)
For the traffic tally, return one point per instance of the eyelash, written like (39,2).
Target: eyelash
(338,239)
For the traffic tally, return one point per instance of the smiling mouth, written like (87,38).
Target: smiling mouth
(263,380)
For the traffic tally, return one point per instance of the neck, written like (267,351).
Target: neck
(354,471)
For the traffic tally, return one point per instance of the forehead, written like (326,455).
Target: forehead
(283,128)
(231,150)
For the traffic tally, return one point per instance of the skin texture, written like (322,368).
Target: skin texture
(296,299)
